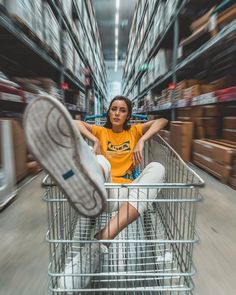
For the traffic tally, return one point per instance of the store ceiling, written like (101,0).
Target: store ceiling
(105,14)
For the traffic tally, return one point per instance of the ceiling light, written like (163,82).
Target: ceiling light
(116,32)
(116,42)
(117,4)
(117,18)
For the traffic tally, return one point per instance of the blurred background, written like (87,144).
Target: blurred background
(173,59)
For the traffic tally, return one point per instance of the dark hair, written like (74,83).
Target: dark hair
(129,105)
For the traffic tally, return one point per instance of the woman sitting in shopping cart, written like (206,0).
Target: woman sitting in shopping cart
(118,148)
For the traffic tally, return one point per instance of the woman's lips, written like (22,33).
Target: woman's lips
(116,119)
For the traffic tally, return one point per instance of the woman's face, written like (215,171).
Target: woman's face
(118,113)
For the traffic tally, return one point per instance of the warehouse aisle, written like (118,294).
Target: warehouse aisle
(215,256)
(24,253)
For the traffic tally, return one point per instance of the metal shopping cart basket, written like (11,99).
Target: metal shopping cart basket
(153,255)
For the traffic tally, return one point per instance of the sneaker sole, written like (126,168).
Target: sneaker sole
(57,145)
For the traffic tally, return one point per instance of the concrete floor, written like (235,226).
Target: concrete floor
(24,253)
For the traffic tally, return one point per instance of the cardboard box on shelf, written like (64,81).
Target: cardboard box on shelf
(211,111)
(224,82)
(38,19)
(211,132)
(223,142)
(229,134)
(67,8)
(198,23)
(184,119)
(229,123)
(206,88)
(192,91)
(51,29)
(217,152)
(210,121)
(19,149)
(199,132)
(22,11)
(193,112)
(220,171)
(181,135)
(185,112)
(187,83)
(229,110)
(68,52)
(197,111)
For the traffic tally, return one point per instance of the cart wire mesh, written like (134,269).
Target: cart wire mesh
(153,255)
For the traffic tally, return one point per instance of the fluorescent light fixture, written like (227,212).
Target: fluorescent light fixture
(117,4)
(116,42)
(117,18)
(116,32)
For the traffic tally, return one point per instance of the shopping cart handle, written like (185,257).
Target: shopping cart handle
(92,117)
(139,116)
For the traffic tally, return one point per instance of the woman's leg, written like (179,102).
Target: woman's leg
(130,211)
(126,215)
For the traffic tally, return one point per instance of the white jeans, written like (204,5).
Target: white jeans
(152,173)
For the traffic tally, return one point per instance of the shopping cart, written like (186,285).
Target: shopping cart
(153,255)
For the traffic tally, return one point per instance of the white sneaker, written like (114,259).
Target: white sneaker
(86,262)
(57,144)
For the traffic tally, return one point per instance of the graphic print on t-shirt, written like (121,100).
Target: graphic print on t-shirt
(124,147)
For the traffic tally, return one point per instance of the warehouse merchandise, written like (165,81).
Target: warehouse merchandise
(21,10)
(173,59)
(181,135)
(7,164)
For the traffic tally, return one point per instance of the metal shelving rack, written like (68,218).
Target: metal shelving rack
(40,62)
(174,29)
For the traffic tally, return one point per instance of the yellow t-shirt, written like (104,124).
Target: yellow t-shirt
(118,149)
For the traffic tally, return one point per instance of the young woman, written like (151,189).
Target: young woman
(56,142)
(121,146)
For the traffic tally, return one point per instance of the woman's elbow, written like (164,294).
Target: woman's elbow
(163,122)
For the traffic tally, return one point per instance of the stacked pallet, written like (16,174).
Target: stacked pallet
(181,135)
(214,157)
(217,157)
(206,120)
(229,128)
